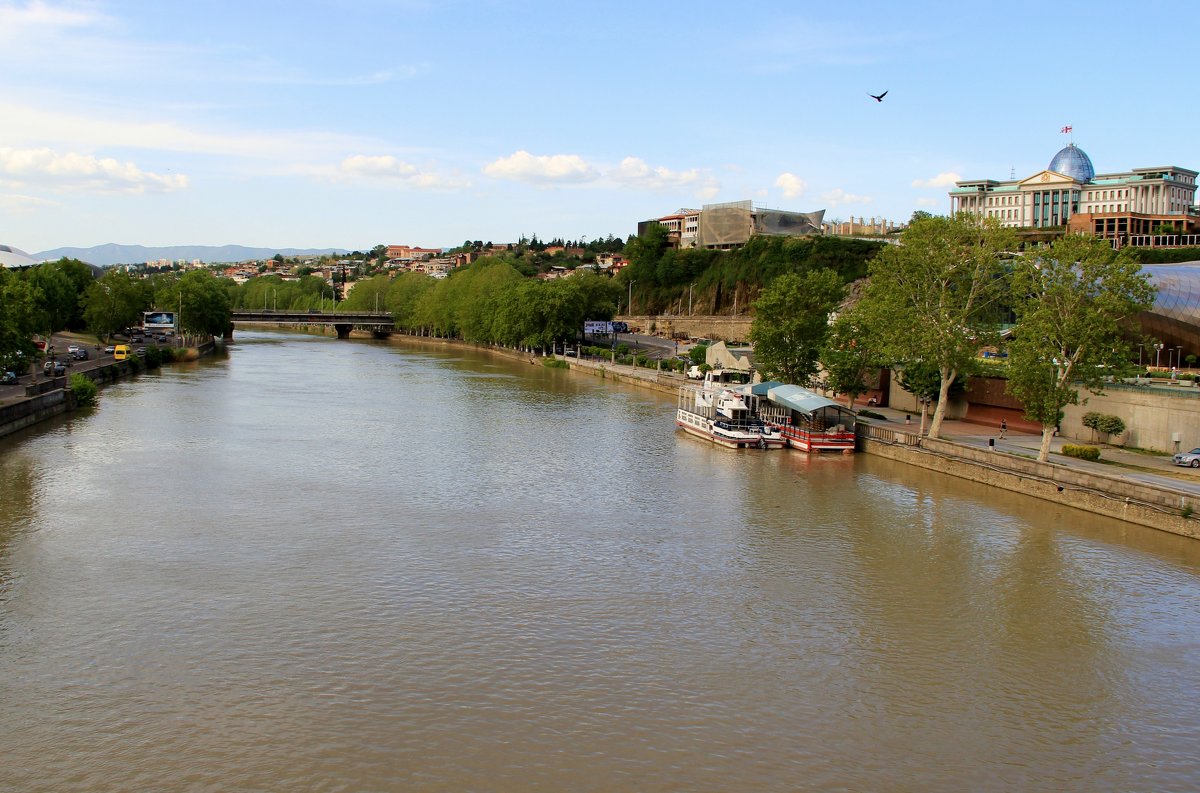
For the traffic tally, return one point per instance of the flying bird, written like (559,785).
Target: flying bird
(878,98)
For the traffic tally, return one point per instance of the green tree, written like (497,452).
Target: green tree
(200,300)
(18,322)
(56,300)
(114,302)
(851,355)
(1070,304)
(791,322)
(936,296)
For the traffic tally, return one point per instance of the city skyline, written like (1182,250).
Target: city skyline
(315,125)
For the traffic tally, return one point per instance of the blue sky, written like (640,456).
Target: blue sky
(348,124)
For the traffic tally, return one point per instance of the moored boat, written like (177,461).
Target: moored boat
(806,420)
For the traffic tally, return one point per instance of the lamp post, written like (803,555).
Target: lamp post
(1140,345)
(1158,355)
(629,307)
(690,299)
(1179,357)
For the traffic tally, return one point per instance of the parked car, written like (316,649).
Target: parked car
(1191,458)
(8,378)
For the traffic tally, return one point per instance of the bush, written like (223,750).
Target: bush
(1081,452)
(871,414)
(83,390)
(555,363)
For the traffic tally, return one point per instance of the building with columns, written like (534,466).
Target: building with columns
(1069,193)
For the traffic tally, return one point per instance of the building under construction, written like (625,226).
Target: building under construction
(731,225)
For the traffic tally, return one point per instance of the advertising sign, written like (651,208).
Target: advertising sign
(597,326)
(159,320)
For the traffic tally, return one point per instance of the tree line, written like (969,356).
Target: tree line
(65,295)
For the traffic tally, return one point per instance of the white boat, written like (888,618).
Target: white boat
(722,416)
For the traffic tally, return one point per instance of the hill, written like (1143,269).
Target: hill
(112,253)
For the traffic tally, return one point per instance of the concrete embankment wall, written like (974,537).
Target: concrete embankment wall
(51,397)
(1116,497)
(30,411)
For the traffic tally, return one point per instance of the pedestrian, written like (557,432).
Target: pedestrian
(1003,429)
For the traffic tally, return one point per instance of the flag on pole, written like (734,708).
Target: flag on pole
(1066,130)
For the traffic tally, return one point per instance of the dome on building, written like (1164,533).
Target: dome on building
(1074,162)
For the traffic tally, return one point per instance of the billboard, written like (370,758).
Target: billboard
(597,326)
(158,320)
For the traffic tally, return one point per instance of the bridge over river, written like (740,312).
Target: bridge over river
(378,322)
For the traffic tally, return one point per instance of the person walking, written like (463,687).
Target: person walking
(1003,429)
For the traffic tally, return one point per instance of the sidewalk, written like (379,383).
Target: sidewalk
(1114,461)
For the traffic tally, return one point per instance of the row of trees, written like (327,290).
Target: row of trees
(490,301)
(65,295)
(936,299)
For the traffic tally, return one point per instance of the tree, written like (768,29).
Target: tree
(18,312)
(55,296)
(201,300)
(935,297)
(791,323)
(850,356)
(1070,303)
(114,302)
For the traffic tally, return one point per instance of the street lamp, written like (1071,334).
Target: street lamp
(1158,355)
(629,307)
(1179,357)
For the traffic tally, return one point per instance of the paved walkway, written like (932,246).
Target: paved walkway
(1157,469)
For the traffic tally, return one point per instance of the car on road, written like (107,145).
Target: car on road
(72,349)
(8,378)
(1191,459)
(110,349)
(54,368)
(80,354)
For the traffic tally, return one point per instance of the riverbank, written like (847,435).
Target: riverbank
(1144,490)
(45,399)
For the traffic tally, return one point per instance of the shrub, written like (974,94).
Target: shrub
(555,363)
(871,414)
(1081,452)
(643,361)
(83,390)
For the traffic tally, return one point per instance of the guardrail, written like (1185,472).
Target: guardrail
(865,429)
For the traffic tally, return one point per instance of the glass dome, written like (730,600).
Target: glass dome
(1074,162)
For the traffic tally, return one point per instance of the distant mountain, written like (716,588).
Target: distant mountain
(209,254)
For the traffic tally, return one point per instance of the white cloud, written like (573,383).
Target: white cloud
(946,179)
(840,196)
(791,185)
(635,171)
(25,123)
(23,21)
(14,202)
(542,169)
(83,172)
(928,202)
(390,168)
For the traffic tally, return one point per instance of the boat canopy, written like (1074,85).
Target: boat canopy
(757,389)
(799,399)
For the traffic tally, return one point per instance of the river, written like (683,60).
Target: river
(364,566)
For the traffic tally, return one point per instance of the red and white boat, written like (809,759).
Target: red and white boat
(722,416)
(806,420)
